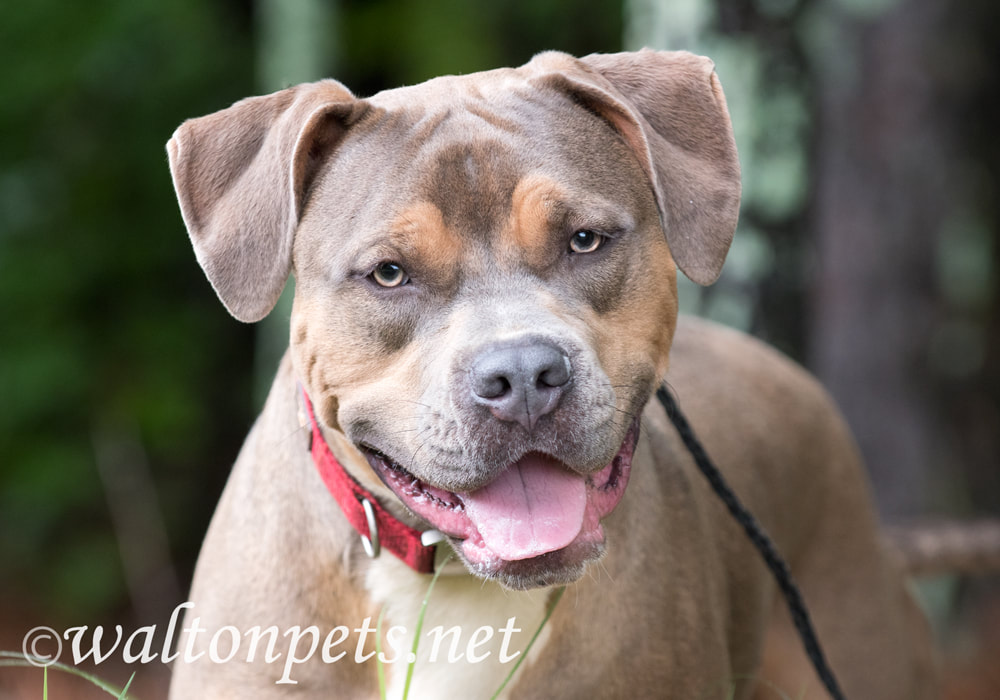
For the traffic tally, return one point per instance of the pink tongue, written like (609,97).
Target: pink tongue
(535,506)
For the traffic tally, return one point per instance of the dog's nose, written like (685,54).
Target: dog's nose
(522,381)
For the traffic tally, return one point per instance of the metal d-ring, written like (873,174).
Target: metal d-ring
(370,541)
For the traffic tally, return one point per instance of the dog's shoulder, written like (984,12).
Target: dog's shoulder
(770,426)
(717,365)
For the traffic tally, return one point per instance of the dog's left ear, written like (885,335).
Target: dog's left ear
(669,107)
(242,176)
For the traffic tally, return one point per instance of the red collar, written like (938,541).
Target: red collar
(377,526)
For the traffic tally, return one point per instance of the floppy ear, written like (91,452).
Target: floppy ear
(242,176)
(669,108)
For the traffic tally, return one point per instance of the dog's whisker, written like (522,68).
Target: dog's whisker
(295,434)
(403,399)
(603,568)
(413,458)
(402,431)
(615,408)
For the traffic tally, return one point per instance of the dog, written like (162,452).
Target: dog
(485,302)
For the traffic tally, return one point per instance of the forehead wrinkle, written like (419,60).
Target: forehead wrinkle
(429,124)
(481,110)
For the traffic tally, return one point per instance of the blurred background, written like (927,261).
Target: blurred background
(867,250)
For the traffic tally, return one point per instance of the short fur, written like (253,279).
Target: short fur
(474,185)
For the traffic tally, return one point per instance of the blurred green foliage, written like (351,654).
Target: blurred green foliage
(103,314)
(399,42)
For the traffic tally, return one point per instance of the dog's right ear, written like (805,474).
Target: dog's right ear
(669,108)
(242,176)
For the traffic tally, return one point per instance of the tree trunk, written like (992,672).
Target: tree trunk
(879,203)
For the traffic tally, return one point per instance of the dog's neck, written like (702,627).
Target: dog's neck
(378,528)
(459,600)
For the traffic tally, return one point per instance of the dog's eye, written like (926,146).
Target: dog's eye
(585,241)
(389,274)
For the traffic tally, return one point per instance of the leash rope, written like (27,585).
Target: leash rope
(759,538)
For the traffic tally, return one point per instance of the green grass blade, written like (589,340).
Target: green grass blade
(378,655)
(124,694)
(420,626)
(548,613)
(11,659)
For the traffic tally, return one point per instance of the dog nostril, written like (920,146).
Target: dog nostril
(493,387)
(554,376)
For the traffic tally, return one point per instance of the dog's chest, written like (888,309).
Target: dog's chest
(474,632)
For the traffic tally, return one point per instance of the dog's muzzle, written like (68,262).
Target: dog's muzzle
(535,507)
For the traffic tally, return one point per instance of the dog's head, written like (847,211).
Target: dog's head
(485,282)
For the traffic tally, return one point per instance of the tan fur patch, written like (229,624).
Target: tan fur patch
(651,320)
(420,233)
(534,208)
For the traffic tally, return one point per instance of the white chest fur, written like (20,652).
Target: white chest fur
(474,632)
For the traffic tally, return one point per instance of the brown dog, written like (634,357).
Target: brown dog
(485,301)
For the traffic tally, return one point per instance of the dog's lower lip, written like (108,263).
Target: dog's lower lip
(382,465)
(383,459)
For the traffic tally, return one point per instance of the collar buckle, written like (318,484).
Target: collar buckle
(371,543)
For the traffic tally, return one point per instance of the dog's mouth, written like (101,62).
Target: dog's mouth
(536,516)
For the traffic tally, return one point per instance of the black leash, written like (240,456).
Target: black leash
(763,543)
